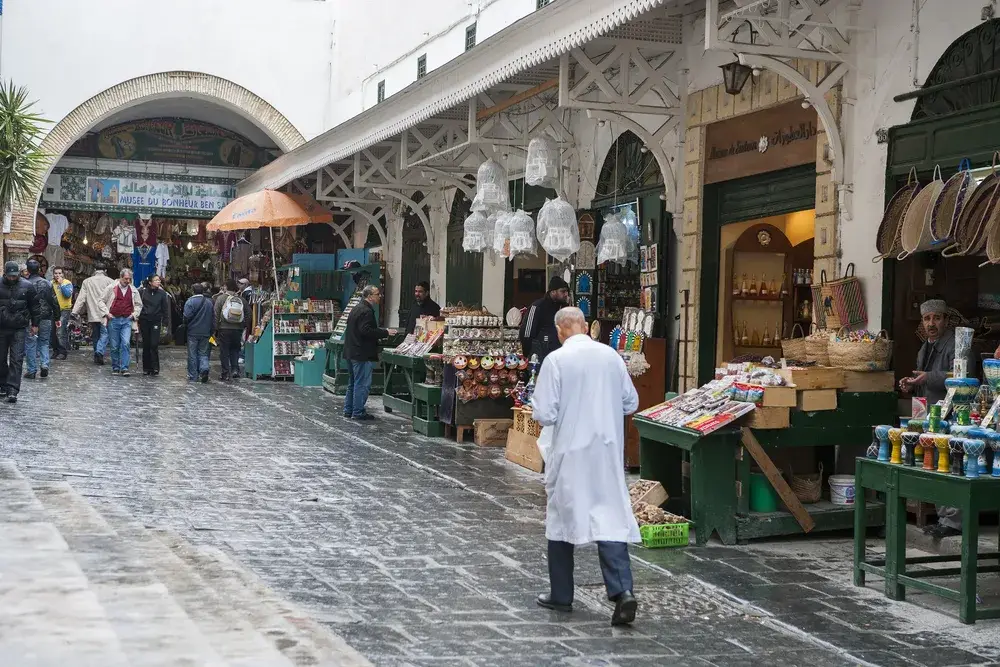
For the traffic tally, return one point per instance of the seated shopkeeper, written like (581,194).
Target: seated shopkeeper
(935,361)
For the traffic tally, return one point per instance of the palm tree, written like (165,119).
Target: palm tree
(22,162)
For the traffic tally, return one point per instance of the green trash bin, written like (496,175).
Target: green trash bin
(763,497)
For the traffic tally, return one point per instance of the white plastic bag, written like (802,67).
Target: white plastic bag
(542,163)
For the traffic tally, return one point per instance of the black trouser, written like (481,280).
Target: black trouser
(12,348)
(150,330)
(230,341)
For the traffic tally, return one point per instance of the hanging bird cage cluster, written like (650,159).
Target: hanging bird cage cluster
(613,245)
(557,229)
(542,164)
(522,234)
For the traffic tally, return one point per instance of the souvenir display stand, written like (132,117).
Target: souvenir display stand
(309,368)
(719,494)
(900,483)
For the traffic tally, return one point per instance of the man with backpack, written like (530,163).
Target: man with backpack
(231,319)
(199,320)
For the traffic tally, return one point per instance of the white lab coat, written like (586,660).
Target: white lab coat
(581,397)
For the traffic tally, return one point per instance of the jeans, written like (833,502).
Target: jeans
(359,383)
(230,343)
(197,356)
(150,330)
(99,337)
(615,567)
(60,337)
(12,349)
(120,337)
(38,346)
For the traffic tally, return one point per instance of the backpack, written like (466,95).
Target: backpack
(232,309)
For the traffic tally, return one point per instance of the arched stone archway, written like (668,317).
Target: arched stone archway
(142,89)
(975,53)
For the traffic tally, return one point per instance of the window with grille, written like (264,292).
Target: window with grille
(422,66)
(470,36)
(542,3)
(381,90)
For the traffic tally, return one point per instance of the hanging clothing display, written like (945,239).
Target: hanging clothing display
(192,228)
(145,233)
(224,242)
(58,224)
(162,257)
(143,263)
(239,259)
(124,238)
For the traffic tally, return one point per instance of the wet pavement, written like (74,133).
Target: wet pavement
(419,551)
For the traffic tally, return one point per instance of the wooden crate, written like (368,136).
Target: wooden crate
(769,418)
(523,423)
(491,432)
(522,449)
(779,397)
(814,400)
(817,377)
(858,382)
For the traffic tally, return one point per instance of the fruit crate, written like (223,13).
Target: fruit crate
(665,535)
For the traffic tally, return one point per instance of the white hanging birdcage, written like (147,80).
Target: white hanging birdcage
(491,187)
(522,234)
(491,227)
(542,163)
(501,233)
(474,236)
(557,229)
(614,243)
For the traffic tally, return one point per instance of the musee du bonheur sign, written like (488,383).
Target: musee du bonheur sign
(110,191)
(776,138)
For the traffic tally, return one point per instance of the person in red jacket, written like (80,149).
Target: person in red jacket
(121,307)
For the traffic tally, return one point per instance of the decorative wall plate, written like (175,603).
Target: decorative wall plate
(460,362)
(584,283)
(595,330)
(586,256)
(583,303)
(486,363)
(514,317)
(617,338)
(473,363)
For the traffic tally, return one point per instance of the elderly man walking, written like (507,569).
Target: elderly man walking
(121,307)
(89,303)
(581,397)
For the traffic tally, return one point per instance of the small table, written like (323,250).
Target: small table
(426,400)
(899,483)
(401,374)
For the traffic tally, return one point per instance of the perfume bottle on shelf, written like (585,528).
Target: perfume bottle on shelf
(755,338)
(763,285)
(777,333)
(744,290)
(753,285)
(784,285)
(736,286)
(773,289)
(745,339)
(766,341)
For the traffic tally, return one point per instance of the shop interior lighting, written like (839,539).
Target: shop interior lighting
(189,245)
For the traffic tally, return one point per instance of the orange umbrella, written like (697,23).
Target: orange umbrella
(269,208)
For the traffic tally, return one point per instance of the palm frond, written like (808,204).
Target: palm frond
(22,162)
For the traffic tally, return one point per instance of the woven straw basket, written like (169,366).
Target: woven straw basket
(887,241)
(807,488)
(818,347)
(950,203)
(915,233)
(862,356)
(972,228)
(794,348)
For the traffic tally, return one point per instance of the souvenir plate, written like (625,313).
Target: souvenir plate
(499,363)
(512,360)
(486,362)
(482,391)
(481,376)
(512,377)
(495,391)
(583,303)
(522,364)
(514,317)
(494,377)
(473,363)
(584,282)
(595,330)
(462,376)
(460,362)
(617,338)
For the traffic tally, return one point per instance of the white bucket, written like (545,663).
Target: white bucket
(842,489)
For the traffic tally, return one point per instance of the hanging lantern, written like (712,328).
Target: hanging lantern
(542,164)
(491,187)
(501,233)
(474,237)
(734,76)
(522,234)
(613,245)
(557,229)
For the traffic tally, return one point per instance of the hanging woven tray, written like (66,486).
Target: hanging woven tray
(887,242)
(915,233)
(971,230)
(950,203)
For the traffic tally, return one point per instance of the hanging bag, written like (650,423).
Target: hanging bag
(848,301)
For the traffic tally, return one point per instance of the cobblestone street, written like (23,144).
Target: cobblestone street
(413,551)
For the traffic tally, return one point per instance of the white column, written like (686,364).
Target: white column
(438,246)
(359,231)
(393,267)
(493,282)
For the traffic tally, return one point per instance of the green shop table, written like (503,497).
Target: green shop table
(900,483)
(718,497)
(401,374)
(335,376)
(426,402)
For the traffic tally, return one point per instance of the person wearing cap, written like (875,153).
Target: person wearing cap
(935,361)
(19,310)
(538,330)
(37,345)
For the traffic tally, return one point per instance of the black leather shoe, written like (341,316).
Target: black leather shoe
(625,607)
(365,418)
(12,398)
(545,600)
(3,392)
(29,376)
(44,372)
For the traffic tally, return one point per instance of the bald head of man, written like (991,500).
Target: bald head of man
(570,322)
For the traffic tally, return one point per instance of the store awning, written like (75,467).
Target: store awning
(537,38)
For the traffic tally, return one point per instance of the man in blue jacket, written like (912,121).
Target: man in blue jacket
(199,318)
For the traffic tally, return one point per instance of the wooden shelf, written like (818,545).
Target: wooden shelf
(773,299)
(757,347)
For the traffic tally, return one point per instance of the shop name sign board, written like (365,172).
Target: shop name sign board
(768,140)
(112,192)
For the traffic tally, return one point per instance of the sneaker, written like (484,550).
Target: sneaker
(29,376)
(62,355)
(224,377)
(204,377)
(45,372)
(114,372)
(12,398)
(125,374)
(366,418)
(99,359)
(4,391)
(154,372)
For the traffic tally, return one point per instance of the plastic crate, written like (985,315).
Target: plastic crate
(665,535)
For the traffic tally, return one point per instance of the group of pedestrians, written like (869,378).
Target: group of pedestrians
(224,318)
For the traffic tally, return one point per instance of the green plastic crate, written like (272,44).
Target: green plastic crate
(665,535)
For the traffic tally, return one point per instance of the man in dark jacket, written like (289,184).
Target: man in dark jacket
(361,352)
(37,346)
(423,305)
(19,309)
(538,330)
(153,319)
(199,319)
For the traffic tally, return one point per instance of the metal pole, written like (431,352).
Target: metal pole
(274,262)
(687,305)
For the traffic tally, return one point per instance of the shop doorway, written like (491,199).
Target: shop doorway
(779,203)
(416,265)
(464,277)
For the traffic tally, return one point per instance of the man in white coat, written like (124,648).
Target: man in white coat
(581,397)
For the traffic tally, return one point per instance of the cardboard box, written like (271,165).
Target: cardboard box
(656,496)
(779,397)
(814,400)
(859,382)
(522,449)
(816,377)
(491,432)
(769,418)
